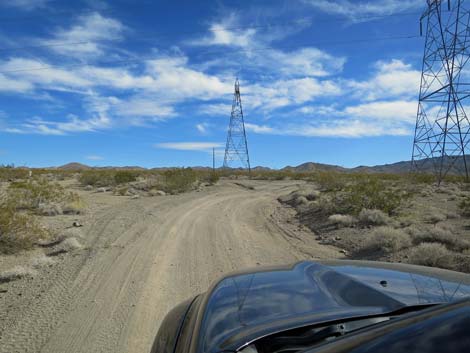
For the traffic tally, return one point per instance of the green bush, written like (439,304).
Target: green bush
(370,193)
(96,177)
(179,180)
(32,193)
(124,176)
(9,173)
(18,230)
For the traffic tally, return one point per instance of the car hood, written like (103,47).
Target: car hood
(243,307)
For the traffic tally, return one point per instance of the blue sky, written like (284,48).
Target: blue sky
(150,83)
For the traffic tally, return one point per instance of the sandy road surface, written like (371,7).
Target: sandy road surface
(143,257)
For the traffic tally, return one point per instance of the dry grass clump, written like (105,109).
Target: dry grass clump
(431,254)
(442,236)
(373,217)
(464,207)
(342,220)
(387,240)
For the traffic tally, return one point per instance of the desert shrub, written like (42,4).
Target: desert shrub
(32,193)
(464,207)
(18,230)
(435,216)
(178,180)
(124,176)
(342,220)
(388,240)
(373,217)
(441,236)
(96,177)
(431,254)
(40,196)
(370,193)
(73,205)
(9,173)
(213,178)
(329,181)
(421,178)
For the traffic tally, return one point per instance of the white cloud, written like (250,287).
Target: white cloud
(175,79)
(30,72)
(215,109)
(89,33)
(392,79)
(94,157)
(24,4)
(73,124)
(11,85)
(357,10)
(259,129)
(189,146)
(226,33)
(202,128)
(283,93)
(393,111)
(302,62)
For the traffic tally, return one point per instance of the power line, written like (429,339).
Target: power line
(147,58)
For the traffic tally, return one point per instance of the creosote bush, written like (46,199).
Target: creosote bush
(179,180)
(18,230)
(370,193)
(37,195)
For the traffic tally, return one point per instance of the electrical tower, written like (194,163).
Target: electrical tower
(442,133)
(236,149)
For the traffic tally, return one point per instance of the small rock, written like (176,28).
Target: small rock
(342,251)
(337,238)
(77,224)
(88,188)
(135,197)
(101,190)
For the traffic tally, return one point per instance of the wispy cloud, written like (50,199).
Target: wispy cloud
(226,33)
(25,4)
(358,10)
(203,128)
(94,157)
(189,146)
(87,36)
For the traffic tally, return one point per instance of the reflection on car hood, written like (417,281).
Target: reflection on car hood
(248,306)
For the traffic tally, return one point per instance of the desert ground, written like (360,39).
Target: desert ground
(134,259)
(107,275)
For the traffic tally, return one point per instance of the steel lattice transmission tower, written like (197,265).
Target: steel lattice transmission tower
(236,149)
(442,132)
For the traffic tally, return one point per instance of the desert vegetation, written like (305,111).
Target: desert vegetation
(404,218)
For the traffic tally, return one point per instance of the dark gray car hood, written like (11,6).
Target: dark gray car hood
(248,306)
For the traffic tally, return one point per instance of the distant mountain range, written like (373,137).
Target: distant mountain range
(394,168)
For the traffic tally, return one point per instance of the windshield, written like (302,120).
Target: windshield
(150,149)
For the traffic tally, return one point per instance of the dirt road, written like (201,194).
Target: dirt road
(144,256)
